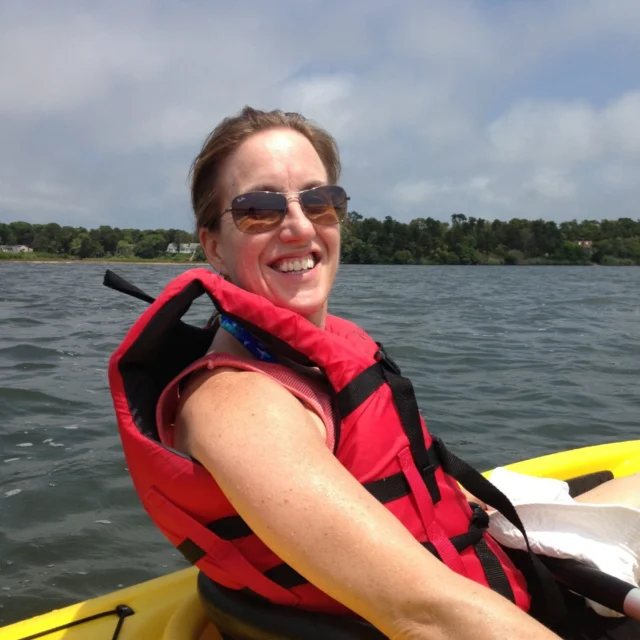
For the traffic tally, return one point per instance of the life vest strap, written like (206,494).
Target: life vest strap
(202,547)
(230,528)
(397,486)
(360,389)
(406,405)
(285,576)
(548,589)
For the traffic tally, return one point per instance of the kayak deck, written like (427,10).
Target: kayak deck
(168,608)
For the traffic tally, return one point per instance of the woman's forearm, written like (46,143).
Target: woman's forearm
(467,611)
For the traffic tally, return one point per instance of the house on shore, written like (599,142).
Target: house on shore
(15,248)
(186,247)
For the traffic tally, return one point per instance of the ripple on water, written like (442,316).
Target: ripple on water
(29,353)
(22,322)
(24,402)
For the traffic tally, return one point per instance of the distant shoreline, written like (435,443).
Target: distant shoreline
(97,261)
(206,264)
(534,262)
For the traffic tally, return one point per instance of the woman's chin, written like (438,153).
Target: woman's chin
(307,308)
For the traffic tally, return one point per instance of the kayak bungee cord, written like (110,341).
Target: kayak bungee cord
(122,611)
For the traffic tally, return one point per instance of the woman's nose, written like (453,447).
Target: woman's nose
(296,225)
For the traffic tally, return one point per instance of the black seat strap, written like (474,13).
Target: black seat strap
(493,569)
(407,408)
(547,588)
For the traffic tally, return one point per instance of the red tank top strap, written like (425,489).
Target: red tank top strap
(307,390)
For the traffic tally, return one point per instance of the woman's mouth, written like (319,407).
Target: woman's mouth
(297,264)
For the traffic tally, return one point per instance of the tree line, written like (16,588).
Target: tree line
(463,240)
(105,241)
(469,240)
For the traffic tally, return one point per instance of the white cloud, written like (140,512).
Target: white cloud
(561,134)
(552,184)
(327,97)
(413,193)
(438,105)
(621,124)
(620,176)
(566,134)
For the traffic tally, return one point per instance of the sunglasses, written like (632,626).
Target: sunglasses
(261,211)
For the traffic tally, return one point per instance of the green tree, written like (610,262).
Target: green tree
(84,246)
(150,246)
(403,256)
(22,232)
(7,234)
(124,248)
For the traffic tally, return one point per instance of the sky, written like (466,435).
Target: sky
(492,108)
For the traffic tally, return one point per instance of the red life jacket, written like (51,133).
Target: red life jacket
(381,439)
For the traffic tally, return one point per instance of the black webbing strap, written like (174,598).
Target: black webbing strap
(230,528)
(407,408)
(362,387)
(493,570)
(191,551)
(482,489)
(404,399)
(233,528)
(491,565)
(285,576)
(477,527)
(388,489)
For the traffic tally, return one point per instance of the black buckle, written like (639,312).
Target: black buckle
(427,470)
(427,466)
(480,518)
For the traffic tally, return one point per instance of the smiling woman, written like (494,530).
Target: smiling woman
(306,454)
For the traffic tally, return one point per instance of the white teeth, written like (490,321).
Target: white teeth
(297,264)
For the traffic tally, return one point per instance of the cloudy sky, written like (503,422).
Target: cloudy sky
(492,108)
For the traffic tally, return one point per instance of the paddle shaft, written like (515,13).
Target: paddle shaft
(596,585)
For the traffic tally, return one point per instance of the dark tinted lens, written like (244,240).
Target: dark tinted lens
(259,211)
(324,205)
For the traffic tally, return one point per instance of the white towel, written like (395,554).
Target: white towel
(604,536)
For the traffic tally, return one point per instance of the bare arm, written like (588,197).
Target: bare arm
(270,460)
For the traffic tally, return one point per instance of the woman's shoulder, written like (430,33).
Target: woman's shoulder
(222,373)
(229,388)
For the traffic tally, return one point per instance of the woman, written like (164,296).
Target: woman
(268,209)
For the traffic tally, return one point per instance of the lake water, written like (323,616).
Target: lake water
(507,363)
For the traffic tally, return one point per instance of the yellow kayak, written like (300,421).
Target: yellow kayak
(168,608)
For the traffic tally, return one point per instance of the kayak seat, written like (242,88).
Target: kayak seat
(240,615)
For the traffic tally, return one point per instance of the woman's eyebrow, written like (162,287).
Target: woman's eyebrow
(270,187)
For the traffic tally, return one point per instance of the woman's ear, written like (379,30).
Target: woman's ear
(210,243)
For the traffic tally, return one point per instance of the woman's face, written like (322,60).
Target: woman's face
(279,160)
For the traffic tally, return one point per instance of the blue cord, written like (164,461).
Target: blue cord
(251,344)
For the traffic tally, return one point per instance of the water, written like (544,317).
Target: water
(507,363)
